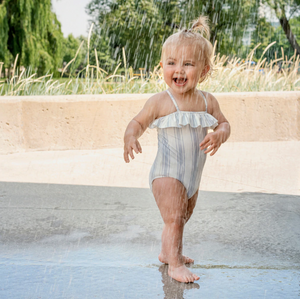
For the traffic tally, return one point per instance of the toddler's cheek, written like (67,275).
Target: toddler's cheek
(193,80)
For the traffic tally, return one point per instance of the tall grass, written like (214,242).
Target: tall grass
(230,74)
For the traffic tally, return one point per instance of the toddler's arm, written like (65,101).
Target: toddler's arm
(137,127)
(213,140)
(133,132)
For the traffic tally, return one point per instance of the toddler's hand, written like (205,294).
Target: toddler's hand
(211,142)
(131,144)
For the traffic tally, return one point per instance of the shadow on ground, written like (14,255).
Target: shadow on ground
(71,241)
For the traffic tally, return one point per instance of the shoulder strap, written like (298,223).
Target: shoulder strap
(204,101)
(172,98)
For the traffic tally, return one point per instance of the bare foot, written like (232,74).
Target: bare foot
(182,274)
(163,259)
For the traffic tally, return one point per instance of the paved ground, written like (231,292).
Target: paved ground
(271,167)
(65,233)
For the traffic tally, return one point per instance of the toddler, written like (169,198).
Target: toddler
(182,115)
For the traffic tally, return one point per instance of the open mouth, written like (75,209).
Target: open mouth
(180,81)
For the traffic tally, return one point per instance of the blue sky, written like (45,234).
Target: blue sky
(72,16)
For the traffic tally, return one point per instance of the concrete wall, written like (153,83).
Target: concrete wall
(98,121)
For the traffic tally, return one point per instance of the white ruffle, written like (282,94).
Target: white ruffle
(180,119)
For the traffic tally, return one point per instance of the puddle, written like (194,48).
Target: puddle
(119,271)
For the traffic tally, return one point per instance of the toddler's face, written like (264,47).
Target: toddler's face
(182,67)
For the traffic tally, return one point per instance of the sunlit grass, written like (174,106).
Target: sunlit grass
(230,75)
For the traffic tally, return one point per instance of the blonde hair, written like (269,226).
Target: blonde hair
(195,36)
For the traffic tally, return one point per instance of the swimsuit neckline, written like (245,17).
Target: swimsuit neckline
(181,111)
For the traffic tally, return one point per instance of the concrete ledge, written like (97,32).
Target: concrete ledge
(99,121)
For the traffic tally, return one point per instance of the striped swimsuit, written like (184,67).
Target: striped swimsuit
(179,155)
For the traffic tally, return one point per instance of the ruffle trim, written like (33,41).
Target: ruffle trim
(180,119)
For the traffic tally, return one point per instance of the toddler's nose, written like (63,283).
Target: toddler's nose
(179,69)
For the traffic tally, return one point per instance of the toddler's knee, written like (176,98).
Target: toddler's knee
(175,220)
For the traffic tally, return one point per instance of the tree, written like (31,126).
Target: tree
(280,7)
(229,20)
(141,26)
(265,34)
(102,46)
(71,47)
(29,28)
(3,31)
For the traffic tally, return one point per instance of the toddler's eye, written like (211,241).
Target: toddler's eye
(170,63)
(188,64)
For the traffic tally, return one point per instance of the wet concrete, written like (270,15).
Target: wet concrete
(72,241)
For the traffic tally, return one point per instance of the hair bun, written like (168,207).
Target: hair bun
(201,24)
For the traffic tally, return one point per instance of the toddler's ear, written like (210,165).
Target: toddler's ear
(161,64)
(205,70)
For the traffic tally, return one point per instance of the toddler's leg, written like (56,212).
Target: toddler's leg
(171,198)
(191,205)
(190,208)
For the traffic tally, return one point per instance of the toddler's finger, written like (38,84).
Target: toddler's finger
(205,145)
(139,147)
(216,148)
(214,151)
(203,142)
(135,149)
(209,149)
(131,153)
(126,156)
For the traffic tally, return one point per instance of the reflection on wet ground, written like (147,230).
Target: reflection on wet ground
(104,273)
(62,241)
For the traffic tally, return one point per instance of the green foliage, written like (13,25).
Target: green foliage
(3,31)
(281,39)
(101,44)
(285,12)
(29,28)
(138,26)
(265,34)
(142,26)
(279,6)
(229,20)
(71,46)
